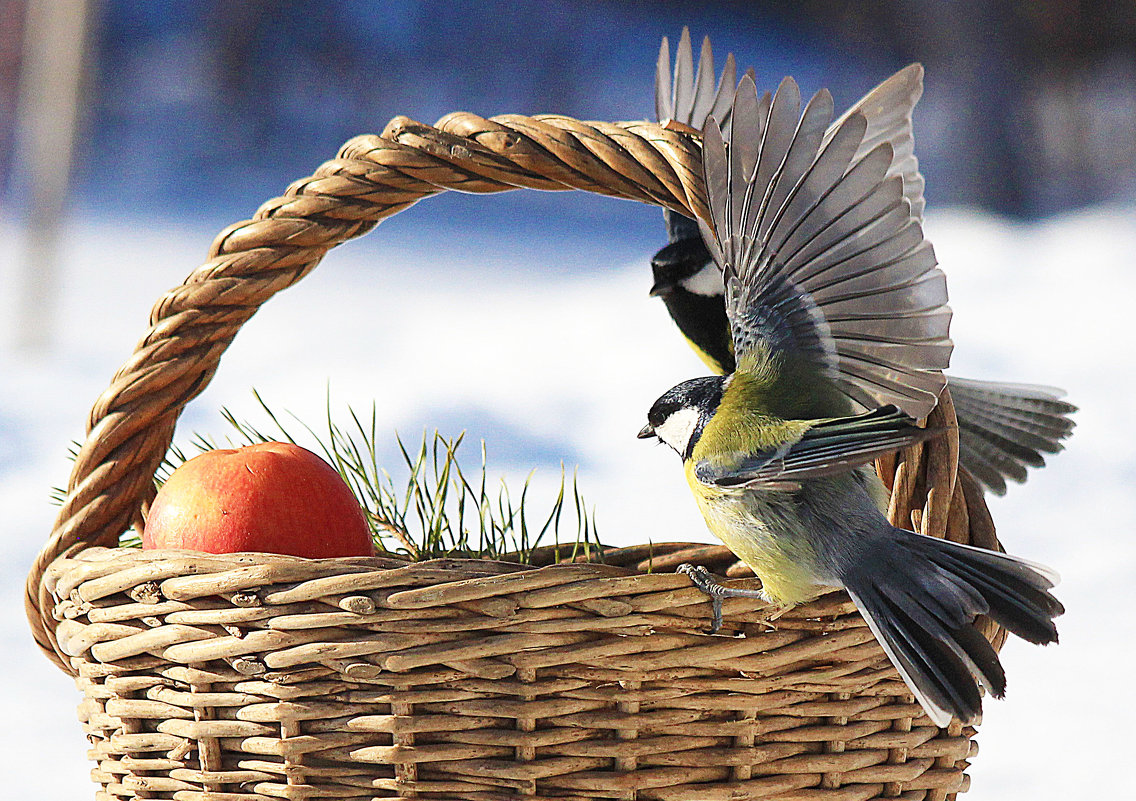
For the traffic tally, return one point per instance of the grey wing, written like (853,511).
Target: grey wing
(1005,428)
(822,258)
(831,446)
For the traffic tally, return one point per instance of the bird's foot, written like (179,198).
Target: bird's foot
(715,590)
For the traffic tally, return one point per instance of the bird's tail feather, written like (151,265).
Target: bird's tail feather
(921,598)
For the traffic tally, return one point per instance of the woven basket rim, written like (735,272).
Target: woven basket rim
(380,686)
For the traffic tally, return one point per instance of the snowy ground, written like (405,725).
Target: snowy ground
(551,358)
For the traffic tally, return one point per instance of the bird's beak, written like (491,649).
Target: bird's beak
(661,288)
(646,431)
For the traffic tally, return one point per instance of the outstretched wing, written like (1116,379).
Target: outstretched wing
(691,95)
(823,262)
(830,446)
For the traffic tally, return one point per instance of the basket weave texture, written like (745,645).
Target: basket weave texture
(253,676)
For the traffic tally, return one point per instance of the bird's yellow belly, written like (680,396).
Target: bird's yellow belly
(783,563)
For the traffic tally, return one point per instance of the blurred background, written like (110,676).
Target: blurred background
(131,132)
(1027,112)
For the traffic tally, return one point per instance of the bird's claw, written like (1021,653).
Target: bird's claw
(701,578)
(715,590)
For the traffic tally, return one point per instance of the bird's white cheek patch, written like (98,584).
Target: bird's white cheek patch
(677,429)
(706,282)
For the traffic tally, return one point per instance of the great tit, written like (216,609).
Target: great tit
(834,301)
(1003,427)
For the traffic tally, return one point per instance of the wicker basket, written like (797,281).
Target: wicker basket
(251,676)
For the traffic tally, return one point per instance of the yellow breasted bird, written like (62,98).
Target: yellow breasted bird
(1004,428)
(835,302)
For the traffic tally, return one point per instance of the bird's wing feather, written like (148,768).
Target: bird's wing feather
(1005,428)
(664,105)
(888,109)
(822,260)
(830,446)
(690,95)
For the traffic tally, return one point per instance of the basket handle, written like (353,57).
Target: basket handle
(132,423)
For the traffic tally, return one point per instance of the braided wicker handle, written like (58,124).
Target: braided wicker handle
(131,425)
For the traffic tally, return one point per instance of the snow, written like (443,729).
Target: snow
(549,356)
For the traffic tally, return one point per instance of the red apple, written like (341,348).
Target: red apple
(273,497)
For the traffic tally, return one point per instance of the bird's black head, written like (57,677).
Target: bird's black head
(678,417)
(678,262)
(691,286)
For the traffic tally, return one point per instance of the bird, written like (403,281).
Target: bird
(835,304)
(1004,427)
